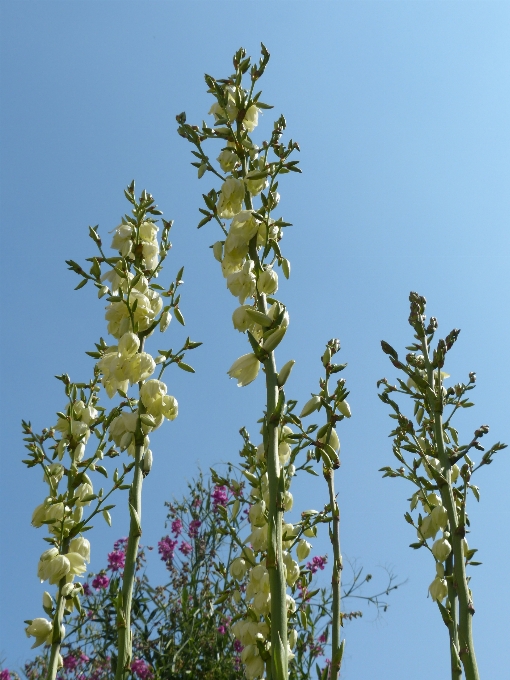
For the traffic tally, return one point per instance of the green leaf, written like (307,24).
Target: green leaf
(179,316)
(185,367)
(81,284)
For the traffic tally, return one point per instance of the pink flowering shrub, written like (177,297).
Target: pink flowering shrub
(183,627)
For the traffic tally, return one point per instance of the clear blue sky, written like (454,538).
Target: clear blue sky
(401,110)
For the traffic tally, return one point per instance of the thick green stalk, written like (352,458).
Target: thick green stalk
(452,606)
(56,639)
(124,644)
(337,647)
(466,648)
(135,531)
(58,619)
(274,560)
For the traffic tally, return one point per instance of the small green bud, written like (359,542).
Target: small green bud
(311,405)
(285,372)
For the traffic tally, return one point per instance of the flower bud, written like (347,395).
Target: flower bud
(455,473)
(326,357)
(285,372)
(47,601)
(147,462)
(272,342)
(344,408)
(164,321)
(292,638)
(311,405)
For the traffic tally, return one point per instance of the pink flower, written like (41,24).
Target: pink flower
(5,675)
(101,582)
(185,548)
(317,563)
(121,544)
(116,560)
(219,496)
(193,528)
(86,590)
(196,502)
(141,669)
(166,549)
(71,662)
(176,527)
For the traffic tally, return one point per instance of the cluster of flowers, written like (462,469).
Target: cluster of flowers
(435,519)
(245,278)
(60,517)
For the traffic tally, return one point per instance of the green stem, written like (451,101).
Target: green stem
(466,648)
(56,640)
(452,607)
(274,560)
(124,645)
(337,647)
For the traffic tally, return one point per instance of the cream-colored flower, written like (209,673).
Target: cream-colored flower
(268,281)
(245,369)
(228,159)
(255,186)
(128,345)
(303,549)
(441,549)
(123,239)
(257,515)
(82,546)
(148,232)
(141,366)
(242,283)
(241,320)
(438,589)
(231,197)
(238,568)
(151,391)
(251,118)
(41,629)
(242,229)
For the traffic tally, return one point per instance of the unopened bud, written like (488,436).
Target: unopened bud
(218,251)
(164,322)
(344,409)
(311,405)
(147,462)
(285,372)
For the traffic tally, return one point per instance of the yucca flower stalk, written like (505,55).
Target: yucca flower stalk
(248,256)
(427,447)
(136,310)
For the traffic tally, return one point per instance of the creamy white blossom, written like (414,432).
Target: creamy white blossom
(245,369)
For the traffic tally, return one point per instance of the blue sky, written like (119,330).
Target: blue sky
(401,110)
